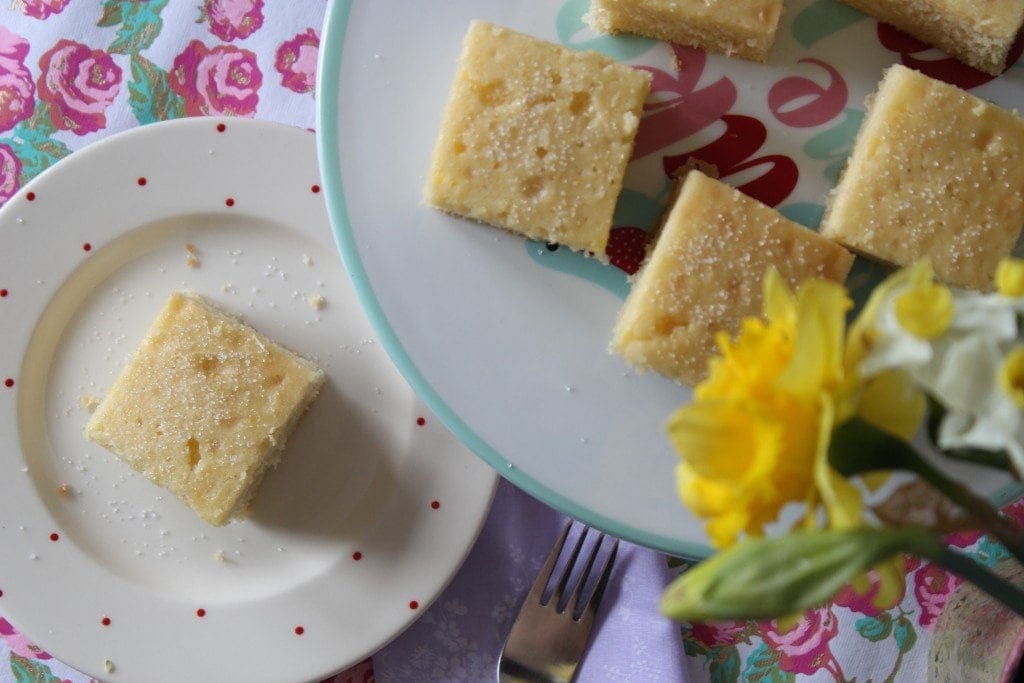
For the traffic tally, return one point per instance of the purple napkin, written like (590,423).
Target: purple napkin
(459,638)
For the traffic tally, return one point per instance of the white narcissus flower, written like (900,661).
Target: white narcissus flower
(956,346)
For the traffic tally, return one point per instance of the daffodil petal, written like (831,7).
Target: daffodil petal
(892,402)
(841,498)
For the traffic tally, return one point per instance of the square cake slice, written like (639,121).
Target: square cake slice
(535,138)
(743,28)
(204,407)
(935,172)
(978,33)
(705,275)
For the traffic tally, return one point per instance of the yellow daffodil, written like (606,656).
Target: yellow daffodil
(1011,377)
(1010,277)
(756,437)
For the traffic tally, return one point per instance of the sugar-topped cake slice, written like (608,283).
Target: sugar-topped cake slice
(935,172)
(205,406)
(705,274)
(977,33)
(535,138)
(741,28)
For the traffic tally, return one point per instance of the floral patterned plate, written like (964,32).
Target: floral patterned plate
(368,516)
(506,339)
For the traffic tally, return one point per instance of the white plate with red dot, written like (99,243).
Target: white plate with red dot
(374,505)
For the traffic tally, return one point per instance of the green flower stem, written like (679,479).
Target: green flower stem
(999,526)
(858,447)
(987,581)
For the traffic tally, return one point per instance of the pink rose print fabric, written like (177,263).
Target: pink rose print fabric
(296,61)
(932,588)
(42,9)
(17,91)
(78,83)
(18,643)
(10,169)
(804,647)
(231,19)
(864,602)
(224,80)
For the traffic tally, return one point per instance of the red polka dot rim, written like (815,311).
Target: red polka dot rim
(99,280)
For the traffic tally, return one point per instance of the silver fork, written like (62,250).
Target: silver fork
(549,635)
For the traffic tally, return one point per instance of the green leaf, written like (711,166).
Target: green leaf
(765,578)
(112,15)
(150,94)
(140,25)
(691,645)
(39,125)
(724,664)
(858,447)
(906,637)
(35,147)
(31,671)
(875,629)
(763,665)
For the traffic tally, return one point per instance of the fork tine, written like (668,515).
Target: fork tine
(606,572)
(577,597)
(547,639)
(544,575)
(567,572)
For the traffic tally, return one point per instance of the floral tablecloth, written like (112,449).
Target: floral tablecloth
(75,71)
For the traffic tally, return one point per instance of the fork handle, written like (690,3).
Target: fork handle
(514,672)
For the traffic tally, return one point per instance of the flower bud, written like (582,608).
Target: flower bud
(775,577)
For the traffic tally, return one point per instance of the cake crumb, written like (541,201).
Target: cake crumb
(306,260)
(317,301)
(108,666)
(88,402)
(65,491)
(219,556)
(192,261)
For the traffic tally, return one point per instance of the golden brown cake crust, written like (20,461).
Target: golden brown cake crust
(705,275)
(535,138)
(935,172)
(977,32)
(204,407)
(741,28)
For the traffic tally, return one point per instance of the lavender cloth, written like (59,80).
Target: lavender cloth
(459,638)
